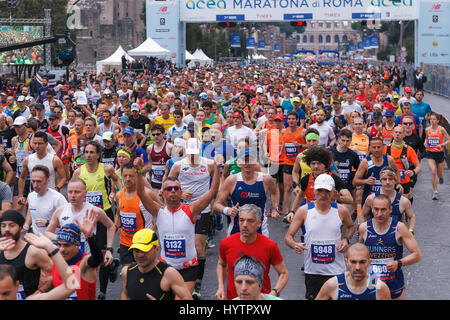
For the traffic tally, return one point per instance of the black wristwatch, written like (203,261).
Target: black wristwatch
(51,254)
(399,262)
(277,292)
(110,249)
(294,185)
(348,239)
(291,211)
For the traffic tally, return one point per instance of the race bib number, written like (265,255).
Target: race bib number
(175,246)
(95,198)
(433,141)
(323,251)
(291,150)
(345,174)
(158,173)
(376,187)
(110,161)
(361,155)
(128,222)
(378,268)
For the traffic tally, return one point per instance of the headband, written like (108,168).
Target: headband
(14,216)
(248,266)
(69,233)
(124,152)
(312,135)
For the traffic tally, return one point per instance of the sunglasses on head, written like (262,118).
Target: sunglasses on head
(170,188)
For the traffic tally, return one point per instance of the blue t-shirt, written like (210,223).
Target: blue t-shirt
(399,118)
(420,110)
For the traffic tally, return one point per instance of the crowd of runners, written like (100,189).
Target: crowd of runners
(162,159)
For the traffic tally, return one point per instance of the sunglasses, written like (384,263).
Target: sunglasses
(170,188)
(407,123)
(156,134)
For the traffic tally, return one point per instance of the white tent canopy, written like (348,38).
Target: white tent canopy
(114,60)
(149,48)
(189,56)
(201,58)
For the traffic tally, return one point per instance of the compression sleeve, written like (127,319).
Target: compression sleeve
(96,257)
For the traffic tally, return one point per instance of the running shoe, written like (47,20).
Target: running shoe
(196,295)
(435,196)
(210,242)
(114,267)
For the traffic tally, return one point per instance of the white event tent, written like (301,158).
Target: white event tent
(149,48)
(115,60)
(201,58)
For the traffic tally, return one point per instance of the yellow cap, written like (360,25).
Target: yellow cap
(144,240)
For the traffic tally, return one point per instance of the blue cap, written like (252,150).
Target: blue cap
(123,97)
(124,119)
(327,106)
(128,130)
(203,95)
(389,113)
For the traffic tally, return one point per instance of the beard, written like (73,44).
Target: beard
(14,236)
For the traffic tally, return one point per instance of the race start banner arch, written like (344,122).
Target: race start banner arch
(291,10)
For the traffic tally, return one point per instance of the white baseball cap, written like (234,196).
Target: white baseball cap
(324,181)
(135,107)
(193,146)
(20,121)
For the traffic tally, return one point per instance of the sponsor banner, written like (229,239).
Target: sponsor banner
(251,43)
(360,46)
(276,47)
(164,26)
(261,44)
(235,40)
(434,33)
(279,10)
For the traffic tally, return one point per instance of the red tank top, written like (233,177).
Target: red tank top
(373,131)
(58,135)
(87,290)
(159,158)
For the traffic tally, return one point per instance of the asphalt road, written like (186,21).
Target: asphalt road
(427,280)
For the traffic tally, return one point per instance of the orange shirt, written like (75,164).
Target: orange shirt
(433,139)
(396,153)
(73,142)
(387,135)
(131,218)
(274,140)
(290,151)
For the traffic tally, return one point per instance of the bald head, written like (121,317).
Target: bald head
(358,247)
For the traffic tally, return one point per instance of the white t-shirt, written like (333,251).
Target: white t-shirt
(326,133)
(235,135)
(44,207)
(348,108)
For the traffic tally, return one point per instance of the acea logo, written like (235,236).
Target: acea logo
(206,4)
(390,3)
